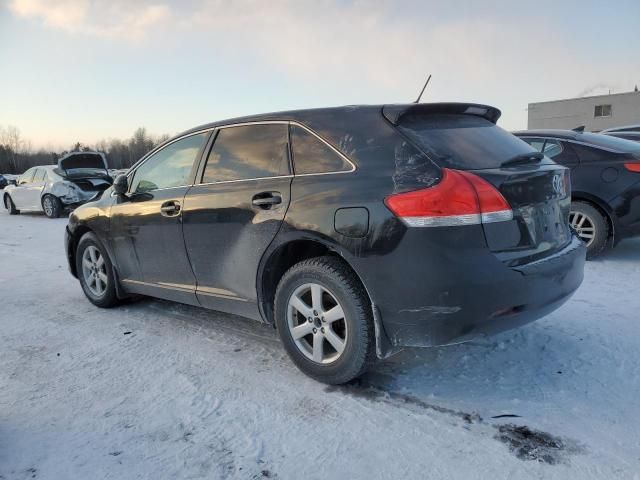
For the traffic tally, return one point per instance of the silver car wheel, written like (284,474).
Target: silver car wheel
(94,271)
(317,323)
(583,225)
(48,206)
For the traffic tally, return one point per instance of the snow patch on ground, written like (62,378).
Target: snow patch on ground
(159,390)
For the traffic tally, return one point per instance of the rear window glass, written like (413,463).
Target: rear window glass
(462,141)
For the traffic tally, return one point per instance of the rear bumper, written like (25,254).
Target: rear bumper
(479,298)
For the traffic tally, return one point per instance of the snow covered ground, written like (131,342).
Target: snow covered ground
(160,390)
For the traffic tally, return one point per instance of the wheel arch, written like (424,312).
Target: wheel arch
(78,232)
(286,254)
(601,205)
(72,247)
(277,261)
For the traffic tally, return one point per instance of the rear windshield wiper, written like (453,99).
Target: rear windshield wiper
(523,158)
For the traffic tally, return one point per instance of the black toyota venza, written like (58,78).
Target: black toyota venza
(356,231)
(605,183)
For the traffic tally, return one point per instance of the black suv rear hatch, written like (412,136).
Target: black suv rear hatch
(465,137)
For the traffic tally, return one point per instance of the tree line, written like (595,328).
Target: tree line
(17,154)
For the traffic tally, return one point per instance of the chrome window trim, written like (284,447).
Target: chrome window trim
(340,154)
(242,180)
(137,165)
(292,160)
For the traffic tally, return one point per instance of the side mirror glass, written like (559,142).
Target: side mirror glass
(121,185)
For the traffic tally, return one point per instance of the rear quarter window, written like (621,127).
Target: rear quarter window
(590,154)
(463,142)
(311,155)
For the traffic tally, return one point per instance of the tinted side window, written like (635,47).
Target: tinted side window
(170,167)
(590,154)
(561,152)
(552,148)
(311,155)
(246,152)
(537,143)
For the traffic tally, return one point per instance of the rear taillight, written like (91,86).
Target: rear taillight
(460,198)
(633,167)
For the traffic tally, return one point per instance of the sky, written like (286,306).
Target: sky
(85,70)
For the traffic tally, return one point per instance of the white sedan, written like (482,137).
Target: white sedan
(78,178)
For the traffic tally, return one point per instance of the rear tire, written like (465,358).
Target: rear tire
(324,301)
(95,272)
(10,206)
(591,226)
(52,206)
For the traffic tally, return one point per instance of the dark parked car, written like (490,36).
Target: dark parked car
(355,230)
(605,183)
(630,132)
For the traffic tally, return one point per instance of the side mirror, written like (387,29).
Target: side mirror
(121,185)
(12,182)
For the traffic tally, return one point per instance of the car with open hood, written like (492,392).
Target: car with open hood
(78,178)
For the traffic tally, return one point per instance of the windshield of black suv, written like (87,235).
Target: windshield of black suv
(465,142)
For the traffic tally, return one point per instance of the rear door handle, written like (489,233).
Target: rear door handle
(266,200)
(170,208)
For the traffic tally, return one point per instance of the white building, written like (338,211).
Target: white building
(595,113)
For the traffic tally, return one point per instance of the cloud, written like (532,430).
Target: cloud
(107,19)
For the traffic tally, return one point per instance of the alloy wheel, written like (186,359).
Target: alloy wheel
(583,225)
(94,271)
(48,206)
(317,323)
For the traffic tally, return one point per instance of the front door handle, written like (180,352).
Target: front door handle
(170,208)
(266,200)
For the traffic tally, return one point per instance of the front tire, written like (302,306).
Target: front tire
(95,272)
(324,320)
(591,226)
(52,206)
(10,206)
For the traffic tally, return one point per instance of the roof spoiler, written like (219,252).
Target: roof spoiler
(394,113)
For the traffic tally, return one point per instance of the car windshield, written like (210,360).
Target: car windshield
(608,141)
(463,141)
